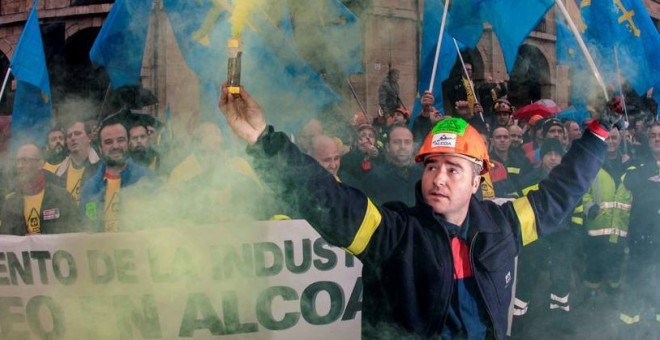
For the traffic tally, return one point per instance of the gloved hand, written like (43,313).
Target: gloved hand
(612,117)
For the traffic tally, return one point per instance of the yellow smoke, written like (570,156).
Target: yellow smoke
(241,14)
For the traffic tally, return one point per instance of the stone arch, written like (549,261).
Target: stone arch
(532,77)
(6,48)
(77,26)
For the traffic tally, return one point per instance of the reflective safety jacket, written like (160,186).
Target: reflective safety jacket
(408,264)
(614,201)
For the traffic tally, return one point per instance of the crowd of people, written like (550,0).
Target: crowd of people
(88,176)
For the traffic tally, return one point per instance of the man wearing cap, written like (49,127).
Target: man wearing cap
(534,130)
(444,267)
(503,111)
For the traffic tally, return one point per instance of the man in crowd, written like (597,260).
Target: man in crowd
(395,178)
(36,206)
(503,111)
(462,89)
(552,253)
(55,149)
(573,130)
(445,267)
(101,195)
(325,151)
(426,118)
(82,161)
(515,163)
(140,147)
(640,294)
(516,135)
(607,204)
(388,93)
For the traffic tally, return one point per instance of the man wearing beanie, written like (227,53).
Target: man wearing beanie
(552,254)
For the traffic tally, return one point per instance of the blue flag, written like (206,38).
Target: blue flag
(448,54)
(119,47)
(512,21)
(272,70)
(569,54)
(624,26)
(343,36)
(31,116)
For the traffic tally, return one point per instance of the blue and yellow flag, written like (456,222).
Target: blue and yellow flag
(512,21)
(272,70)
(624,26)
(31,116)
(119,47)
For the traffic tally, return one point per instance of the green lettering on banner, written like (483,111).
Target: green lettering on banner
(24,270)
(8,319)
(305,253)
(101,267)
(260,266)
(181,266)
(41,257)
(198,304)
(354,303)
(4,281)
(308,305)
(321,249)
(34,309)
(145,317)
(265,308)
(59,257)
(125,263)
(226,260)
(232,319)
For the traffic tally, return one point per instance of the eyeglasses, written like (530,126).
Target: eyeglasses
(25,160)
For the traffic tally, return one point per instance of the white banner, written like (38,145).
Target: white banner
(266,280)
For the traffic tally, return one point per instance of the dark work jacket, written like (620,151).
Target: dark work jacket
(389,183)
(406,254)
(643,181)
(56,199)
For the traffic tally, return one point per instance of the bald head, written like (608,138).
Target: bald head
(29,162)
(516,135)
(325,151)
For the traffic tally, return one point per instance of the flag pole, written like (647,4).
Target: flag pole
(350,85)
(476,100)
(4,82)
(583,47)
(623,97)
(437,47)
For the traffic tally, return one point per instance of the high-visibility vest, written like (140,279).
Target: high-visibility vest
(614,203)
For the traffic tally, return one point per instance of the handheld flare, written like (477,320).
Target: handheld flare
(234,66)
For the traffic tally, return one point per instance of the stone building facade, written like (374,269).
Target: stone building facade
(391,29)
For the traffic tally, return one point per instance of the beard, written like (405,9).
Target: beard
(116,162)
(143,156)
(56,155)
